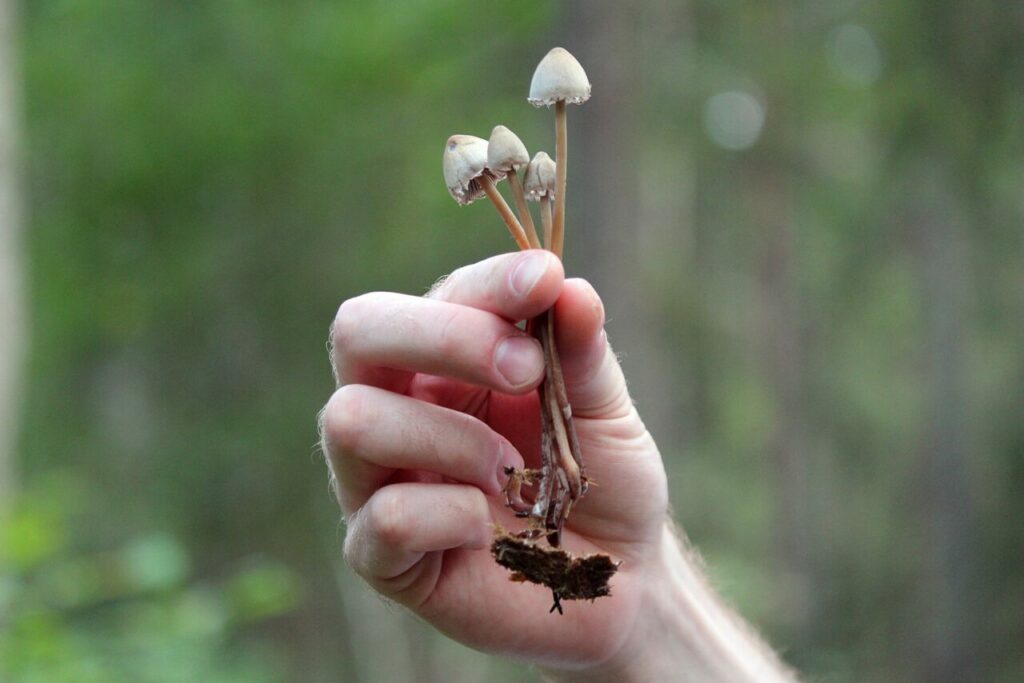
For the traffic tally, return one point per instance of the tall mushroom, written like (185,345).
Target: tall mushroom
(506,154)
(468,178)
(472,166)
(539,183)
(558,79)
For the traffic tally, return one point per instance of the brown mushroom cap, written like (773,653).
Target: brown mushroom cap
(539,181)
(465,160)
(506,153)
(559,77)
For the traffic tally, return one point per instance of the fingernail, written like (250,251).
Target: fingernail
(508,462)
(528,272)
(519,360)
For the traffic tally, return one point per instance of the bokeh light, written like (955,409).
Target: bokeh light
(854,54)
(733,119)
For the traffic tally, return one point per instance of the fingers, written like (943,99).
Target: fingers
(514,286)
(458,330)
(462,330)
(395,332)
(370,433)
(593,378)
(400,523)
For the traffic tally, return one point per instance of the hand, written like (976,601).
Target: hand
(438,396)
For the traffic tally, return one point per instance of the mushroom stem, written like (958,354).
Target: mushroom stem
(548,463)
(566,460)
(562,480)
(546,219)
(561,157)
(564,410)
(505,212)
(524,210)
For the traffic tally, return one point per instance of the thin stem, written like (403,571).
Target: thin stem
(513,489)
(543,499)
(561,397)
(561,163)
(524,210)
(566,460)
(518,234)
(546,219)
(535,326)
(562,482)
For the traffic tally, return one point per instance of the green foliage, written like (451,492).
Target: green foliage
(132,612)
(208,181)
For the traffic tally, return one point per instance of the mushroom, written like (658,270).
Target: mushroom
(539,183)
(558,79)
(506,154)
(472,167)
(468,178)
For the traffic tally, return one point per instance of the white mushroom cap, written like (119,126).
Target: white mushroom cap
(540,178)
(465,160)
(559,77)
(506,153)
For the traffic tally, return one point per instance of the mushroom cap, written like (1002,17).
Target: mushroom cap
(465,160)
(506,153)
(558,77)
(540,178)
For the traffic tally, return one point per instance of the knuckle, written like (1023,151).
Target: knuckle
(344,417)
(473,505)
(476,446)
(450,341)
(352,550)
(358,554)
(386,517)
(443,288)
(348,320)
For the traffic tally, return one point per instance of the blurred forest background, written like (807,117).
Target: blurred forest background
(805,218)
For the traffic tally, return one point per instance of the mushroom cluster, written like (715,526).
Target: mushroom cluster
(544,497)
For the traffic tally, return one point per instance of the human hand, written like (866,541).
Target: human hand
(423,424)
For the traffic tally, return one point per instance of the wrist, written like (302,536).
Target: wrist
(684,631)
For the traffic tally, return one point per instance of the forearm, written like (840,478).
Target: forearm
(685,632)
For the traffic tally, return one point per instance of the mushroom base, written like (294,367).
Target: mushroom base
(568,577)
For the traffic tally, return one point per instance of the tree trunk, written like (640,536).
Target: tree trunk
(12,304)
(782,357)
(770,185)
(945,621)
(608,235)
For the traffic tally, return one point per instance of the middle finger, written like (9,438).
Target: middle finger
(370,433)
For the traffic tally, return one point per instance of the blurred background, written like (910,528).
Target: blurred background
(805,218)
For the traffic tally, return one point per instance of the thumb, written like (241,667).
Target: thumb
(593,378)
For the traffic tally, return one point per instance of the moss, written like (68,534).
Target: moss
(568,577)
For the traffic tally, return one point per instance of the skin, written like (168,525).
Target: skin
(417,436)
